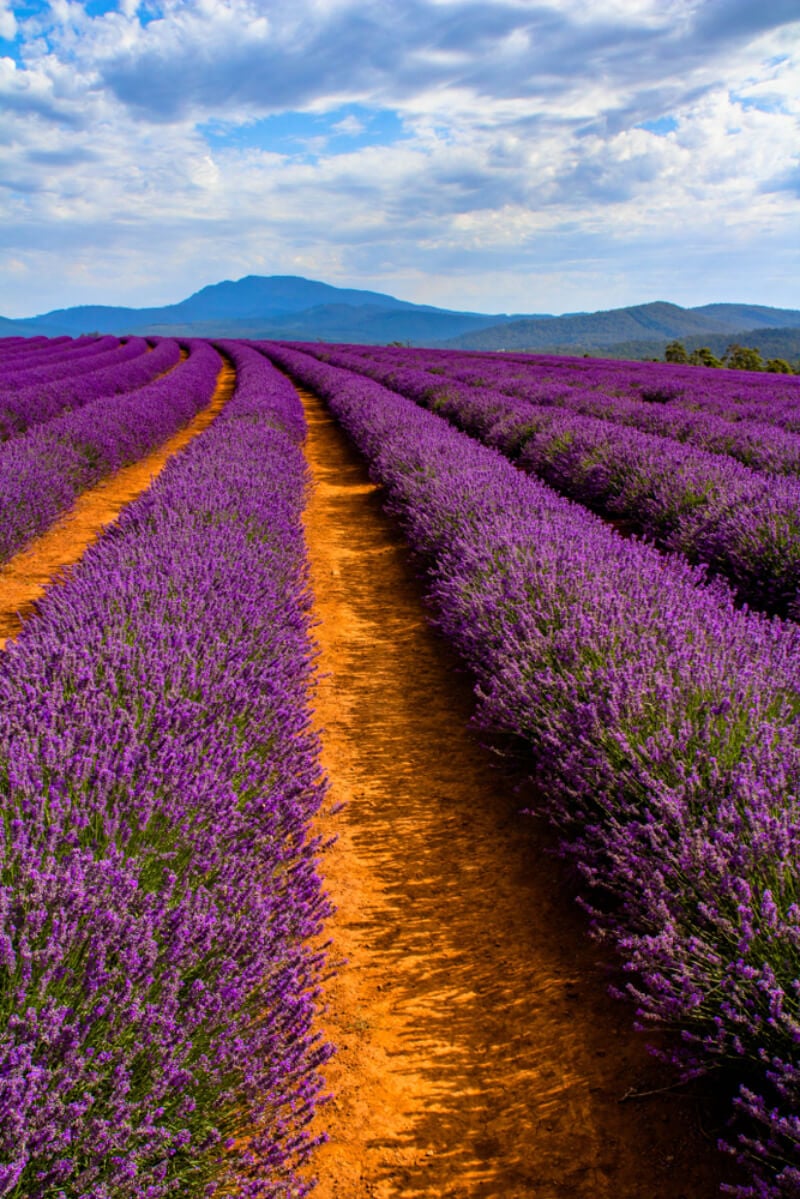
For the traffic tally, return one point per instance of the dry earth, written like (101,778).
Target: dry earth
(24,577)
(479,1052)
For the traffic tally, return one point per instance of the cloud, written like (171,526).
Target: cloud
(202,57)
(8,23)
(349,126)
(734,20)
(163,145)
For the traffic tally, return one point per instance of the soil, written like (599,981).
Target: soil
(479,1053)
(24,578)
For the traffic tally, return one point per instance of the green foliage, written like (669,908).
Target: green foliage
(743,358)
(704,357)
(676,352)
(779,366)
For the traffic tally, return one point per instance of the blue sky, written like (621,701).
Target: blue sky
(518,155)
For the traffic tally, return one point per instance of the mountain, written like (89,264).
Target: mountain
(26,328)
(771,343)
(284,306)
(366,324)
(593,330)
(292,308)
(751,316)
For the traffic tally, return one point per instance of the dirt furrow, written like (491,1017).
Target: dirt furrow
(24,579)
(479,1053)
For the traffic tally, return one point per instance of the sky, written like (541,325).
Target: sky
(522,156)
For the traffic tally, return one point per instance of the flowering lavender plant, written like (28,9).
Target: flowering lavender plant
(14,349)
(133,367)
(740,522)
(74,358)
(661,722)
(158,890)
(43,471)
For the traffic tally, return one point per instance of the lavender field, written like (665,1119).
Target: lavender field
(613,552)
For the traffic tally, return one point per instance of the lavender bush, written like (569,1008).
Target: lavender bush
(710,408)
(78,356)
(42,472)
(132,368)
(756,442)
(158,887)
(41,349)
(688,386)
(739,522)
(10,347)
(662,724)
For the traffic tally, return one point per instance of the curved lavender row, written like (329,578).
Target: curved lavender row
(11,346)
(759,445)
(749,433)
(733,396)
(77,363)
(663,722)
(159,885)
(40,403)
(69,360)
(46,349)
(740,523)
(253,374)
(43,472)
(689,385)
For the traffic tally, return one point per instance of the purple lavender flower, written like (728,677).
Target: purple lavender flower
(661,723)
(159,891)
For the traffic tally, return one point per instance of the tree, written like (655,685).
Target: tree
(704,357)
(779,366)
(676,352)
(743,358)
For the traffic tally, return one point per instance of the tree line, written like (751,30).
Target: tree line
(736,357)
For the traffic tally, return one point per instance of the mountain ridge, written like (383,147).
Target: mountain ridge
(290,307)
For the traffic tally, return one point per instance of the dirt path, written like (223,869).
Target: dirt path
(480,1055)
(24,578)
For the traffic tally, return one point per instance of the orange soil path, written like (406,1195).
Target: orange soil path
(24,579)
(479,1053)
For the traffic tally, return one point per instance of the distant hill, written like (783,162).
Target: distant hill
(28,328)
(366,324)
(771,343)
(292,308)
(751,316)
(658,321)
(281,306)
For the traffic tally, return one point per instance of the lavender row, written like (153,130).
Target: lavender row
(662,726)
(63,361)
(758,444)
(10,347)
(37,404)
(43,472)
(660,382)
(735,396)
(651,400)
(736,521)
(43,349)
(159,884)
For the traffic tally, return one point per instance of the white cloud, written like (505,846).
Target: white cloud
(520,156)
(350,126)
(8,23)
